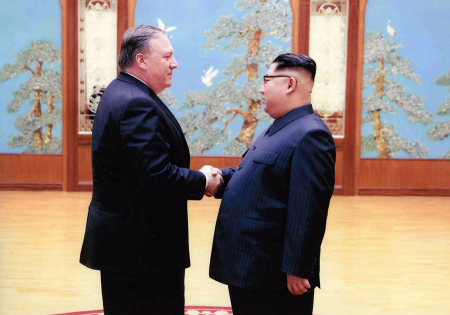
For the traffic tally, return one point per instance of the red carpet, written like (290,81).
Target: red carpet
(190,310)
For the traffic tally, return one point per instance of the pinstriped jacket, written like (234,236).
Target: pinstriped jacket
(274,206)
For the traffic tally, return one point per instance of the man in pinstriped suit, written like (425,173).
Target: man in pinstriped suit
(273,214)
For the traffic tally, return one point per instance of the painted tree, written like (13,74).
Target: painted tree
(442,130)
(207,128)
(42,87)
(384,66)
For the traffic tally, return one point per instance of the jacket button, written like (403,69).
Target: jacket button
(239,167)
(253,148)
(226,188)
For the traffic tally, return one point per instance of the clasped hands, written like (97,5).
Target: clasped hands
(215,180)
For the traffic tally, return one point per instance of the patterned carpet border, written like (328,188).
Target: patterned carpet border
(189,310)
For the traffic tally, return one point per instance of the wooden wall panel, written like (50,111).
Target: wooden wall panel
(404,177)
(217,161)
(85,167)
(31,171)
(84,164)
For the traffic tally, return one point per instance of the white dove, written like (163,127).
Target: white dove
(209,76)
(164,28)
(390,30)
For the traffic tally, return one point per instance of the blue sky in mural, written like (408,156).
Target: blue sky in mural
(22,22)
(192,18)
(423,28)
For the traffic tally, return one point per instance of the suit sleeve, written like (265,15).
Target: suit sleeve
(143,136)
(227,173)
(311,186)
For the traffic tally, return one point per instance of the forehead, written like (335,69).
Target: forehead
(271,69)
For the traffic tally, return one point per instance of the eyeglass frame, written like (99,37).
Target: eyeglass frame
(276,76)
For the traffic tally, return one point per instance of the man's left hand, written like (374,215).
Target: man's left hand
(297,285)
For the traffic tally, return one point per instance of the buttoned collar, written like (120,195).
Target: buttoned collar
(289,117)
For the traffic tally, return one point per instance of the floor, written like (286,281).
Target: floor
(381,255)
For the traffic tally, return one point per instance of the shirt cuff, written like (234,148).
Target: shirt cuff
(206,177)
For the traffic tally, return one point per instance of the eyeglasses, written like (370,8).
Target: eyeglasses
(265,77)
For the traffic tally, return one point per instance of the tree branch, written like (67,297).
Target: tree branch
(248,29)
(229,120)
(30,113)
(193,129)
(267,34)
(237,111)
(28,68)
(240,72)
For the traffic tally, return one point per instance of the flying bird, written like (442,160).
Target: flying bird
(389,28)
(209,76)
(164,28)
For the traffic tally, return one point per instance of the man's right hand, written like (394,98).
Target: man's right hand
(215,180)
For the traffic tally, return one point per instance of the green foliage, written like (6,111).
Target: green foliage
(45,81)
(368,144)
(221,104)
(443,80)
(387,68)
(441,131)
(42,50)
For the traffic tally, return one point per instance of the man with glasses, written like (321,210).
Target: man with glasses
(274,206)
(137,228)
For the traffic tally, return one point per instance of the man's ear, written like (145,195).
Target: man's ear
(140,61)
(292,85)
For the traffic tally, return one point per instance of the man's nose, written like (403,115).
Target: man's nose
(174,63)
(261,90)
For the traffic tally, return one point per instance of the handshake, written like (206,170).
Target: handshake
(213,178)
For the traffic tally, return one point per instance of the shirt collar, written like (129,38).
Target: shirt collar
(289,117)
(135,77)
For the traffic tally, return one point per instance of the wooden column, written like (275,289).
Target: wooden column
(304,9)
(69,10)
(355,55)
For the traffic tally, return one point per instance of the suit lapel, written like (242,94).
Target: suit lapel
(175,122)
(165,109)
(141,85)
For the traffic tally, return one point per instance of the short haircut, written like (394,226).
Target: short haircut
(136,40)
(293,61)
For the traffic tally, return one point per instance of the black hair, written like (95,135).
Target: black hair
(292,61)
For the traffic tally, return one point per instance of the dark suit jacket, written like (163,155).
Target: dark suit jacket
(272,218)
(137,218)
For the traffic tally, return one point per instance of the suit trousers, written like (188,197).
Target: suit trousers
(152,293)
(249,302)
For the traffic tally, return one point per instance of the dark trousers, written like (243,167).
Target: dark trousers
(156,293)
(247,302)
